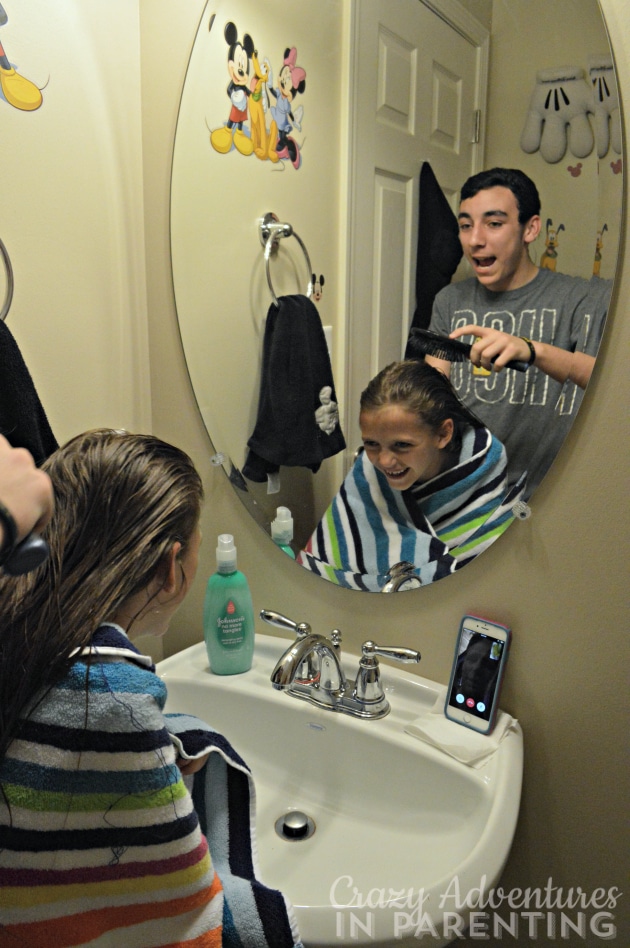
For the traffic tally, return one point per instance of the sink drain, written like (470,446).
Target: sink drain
(294,826)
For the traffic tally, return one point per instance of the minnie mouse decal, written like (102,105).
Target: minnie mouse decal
(291,82)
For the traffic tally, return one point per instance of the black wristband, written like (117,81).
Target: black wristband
(10,534)
(532,351)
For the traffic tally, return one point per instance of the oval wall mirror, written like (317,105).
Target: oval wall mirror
(369,105)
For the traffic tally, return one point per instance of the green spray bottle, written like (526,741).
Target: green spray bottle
(228,614)
(282,530)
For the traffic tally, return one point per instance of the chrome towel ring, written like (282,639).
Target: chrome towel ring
(6,306)
(271,232)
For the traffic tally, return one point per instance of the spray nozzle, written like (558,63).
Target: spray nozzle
(226,553)
(282,526)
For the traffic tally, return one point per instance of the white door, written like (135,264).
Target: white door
(418,94)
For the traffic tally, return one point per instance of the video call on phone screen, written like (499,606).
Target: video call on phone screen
(476,673)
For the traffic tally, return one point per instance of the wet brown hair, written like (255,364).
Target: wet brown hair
(121,502)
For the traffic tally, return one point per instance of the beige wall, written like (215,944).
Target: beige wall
(559,579)
(72,214)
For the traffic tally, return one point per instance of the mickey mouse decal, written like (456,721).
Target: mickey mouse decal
(238,63)
(249,88)
(318,286)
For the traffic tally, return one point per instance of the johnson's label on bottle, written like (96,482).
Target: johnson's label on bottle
(228,624)
(230,627)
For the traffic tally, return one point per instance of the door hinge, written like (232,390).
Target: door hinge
(476,127)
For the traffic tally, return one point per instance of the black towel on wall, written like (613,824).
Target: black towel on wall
(439,249)
(295,369)
(23,421)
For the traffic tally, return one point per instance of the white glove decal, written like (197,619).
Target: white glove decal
(606,104)
(558,115)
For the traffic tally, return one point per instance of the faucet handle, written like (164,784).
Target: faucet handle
(299,629)
(335,638)
(398,653)
(368,687)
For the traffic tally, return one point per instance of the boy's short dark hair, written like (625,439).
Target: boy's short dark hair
(522,187)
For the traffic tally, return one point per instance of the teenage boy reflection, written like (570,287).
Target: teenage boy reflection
(512,309)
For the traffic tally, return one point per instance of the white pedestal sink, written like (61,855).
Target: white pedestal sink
(403,833)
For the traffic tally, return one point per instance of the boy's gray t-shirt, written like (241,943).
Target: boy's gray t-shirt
(528,411)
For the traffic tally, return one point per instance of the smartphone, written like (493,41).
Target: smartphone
(481,653)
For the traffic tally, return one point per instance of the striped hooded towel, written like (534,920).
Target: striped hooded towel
(438,525)
(100,843)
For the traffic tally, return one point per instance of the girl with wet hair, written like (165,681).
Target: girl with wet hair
(425,393)
(126,517)
(100,842)
(429,487)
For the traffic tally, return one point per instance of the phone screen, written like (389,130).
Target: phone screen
(476,674)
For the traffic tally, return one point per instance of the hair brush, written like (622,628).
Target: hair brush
(30,553)
(425,342)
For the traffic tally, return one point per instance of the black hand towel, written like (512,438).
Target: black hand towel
(23,421)
(296,383)
(439,249)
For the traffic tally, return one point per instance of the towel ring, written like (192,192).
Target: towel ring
(6,306)
(271,232)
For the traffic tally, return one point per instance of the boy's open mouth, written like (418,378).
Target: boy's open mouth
(482,262)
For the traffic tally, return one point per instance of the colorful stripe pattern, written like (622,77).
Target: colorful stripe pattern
(223,794)
(438,526)
(100,843)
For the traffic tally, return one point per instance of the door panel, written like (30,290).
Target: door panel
(418,84)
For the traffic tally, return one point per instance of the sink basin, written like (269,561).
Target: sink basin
(401,829)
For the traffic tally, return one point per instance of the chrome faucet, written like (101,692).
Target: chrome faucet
(401,576)
(311,669)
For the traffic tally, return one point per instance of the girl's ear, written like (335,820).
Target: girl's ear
(167,572)
(445,434)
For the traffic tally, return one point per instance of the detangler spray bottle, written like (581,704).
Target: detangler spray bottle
(228,614)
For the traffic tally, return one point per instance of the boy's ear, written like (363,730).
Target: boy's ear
(532,229)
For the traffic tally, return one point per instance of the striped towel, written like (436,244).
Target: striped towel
(224,795)
(438,526)
(100,843)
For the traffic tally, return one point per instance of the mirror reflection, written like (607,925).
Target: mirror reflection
(376,279)
(429,488)
(538,327)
